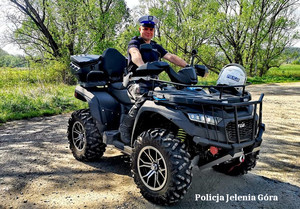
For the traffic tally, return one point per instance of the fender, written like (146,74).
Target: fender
(104,108)
(177,117)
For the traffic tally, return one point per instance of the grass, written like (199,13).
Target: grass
(27,93)
(283,74)
(30,93)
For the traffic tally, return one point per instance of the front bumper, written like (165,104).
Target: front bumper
(235,147)
(234,150)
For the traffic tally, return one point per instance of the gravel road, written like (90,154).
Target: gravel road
(37,169)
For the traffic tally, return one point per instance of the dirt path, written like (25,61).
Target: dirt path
(37,169)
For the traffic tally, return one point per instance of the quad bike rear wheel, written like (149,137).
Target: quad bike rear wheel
(235,167)
(161,167)
(84,138)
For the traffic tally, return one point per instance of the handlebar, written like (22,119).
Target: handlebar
(187,75)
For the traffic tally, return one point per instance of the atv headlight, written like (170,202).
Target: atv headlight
(204,119)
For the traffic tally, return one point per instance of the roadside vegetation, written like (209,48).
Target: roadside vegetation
(8,60)
(27,93)
(283,74)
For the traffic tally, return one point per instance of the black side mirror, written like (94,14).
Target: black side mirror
(201,70)
(194,52)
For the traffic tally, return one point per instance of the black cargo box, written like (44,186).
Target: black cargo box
(87,68)
(85,59)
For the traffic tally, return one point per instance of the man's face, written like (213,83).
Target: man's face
(146,33)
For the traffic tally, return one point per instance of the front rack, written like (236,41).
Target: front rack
(220,87)
(232,128)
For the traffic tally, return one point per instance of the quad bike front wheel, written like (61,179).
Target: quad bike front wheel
(235,167)
(161,167)
(84,138)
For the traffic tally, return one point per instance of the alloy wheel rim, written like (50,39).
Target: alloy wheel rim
(152,168)
(78,136)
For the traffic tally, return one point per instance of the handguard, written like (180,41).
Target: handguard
(185,76)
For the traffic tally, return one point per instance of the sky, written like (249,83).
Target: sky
(132,3)
(13,49)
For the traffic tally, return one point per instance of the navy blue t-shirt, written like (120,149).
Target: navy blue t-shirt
(148,56)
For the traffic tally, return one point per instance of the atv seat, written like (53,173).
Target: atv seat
(114,64)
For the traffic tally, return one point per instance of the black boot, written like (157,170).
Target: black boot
(126,128)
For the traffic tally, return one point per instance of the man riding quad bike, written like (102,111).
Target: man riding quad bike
(180,125)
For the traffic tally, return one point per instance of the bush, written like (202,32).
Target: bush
(27,93)
(285,73)
(296,62)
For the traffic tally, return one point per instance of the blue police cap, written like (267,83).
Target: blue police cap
(148,21)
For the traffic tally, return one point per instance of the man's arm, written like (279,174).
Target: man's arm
(136,56)
(175,59)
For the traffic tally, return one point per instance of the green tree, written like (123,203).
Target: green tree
(52,30)
(59,28)
(253,33)
(130,31)
(7,60)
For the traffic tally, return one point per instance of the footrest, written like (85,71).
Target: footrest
(118,145)
(110,136)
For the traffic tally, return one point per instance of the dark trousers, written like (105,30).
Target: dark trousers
(138,92)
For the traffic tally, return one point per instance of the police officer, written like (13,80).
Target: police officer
(136,58)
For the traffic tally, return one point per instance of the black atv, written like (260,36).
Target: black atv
(181,125)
